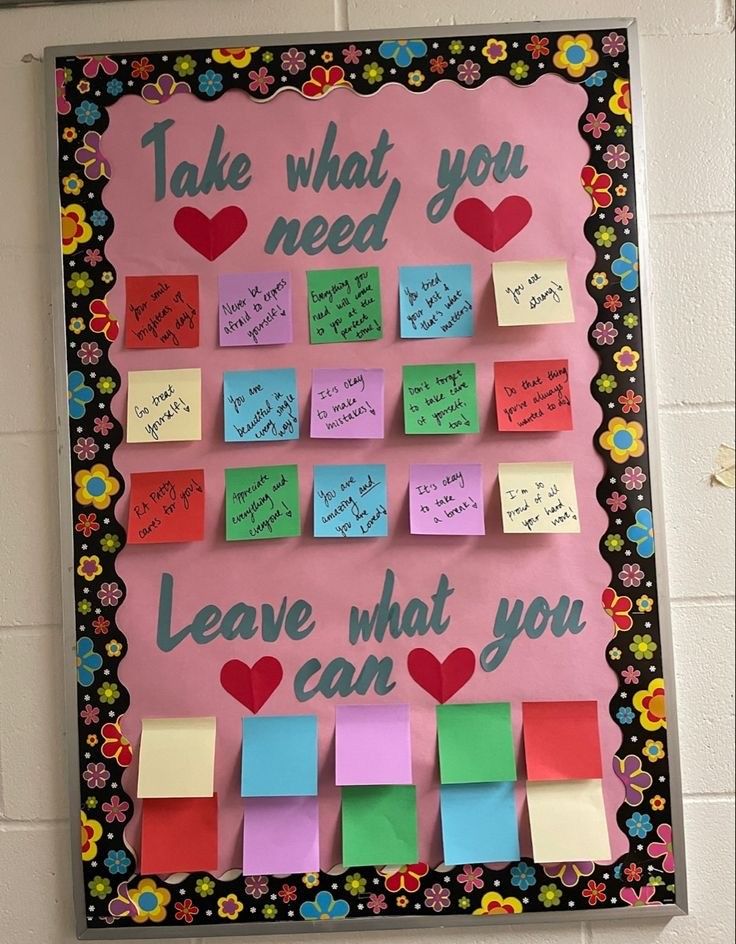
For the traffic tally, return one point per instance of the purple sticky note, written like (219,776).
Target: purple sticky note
(347,403)
(280,835)
(255,309)
(446,499)
(372,745)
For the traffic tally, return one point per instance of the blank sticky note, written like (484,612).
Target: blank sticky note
(260,405)
(262,502)
(255,308)
(476,743)
(479,823)
(436,301)
(561,740)
(347,403)
(538,498)
(379,825)
(372,745)
(532,293)
(161,311)
(179,835)
(440,399)
(164,406)
(532,396)
(279,756)
(350,501)
(166,507)
(280,835)
(446,499)
(177,757)
(568,821)
(344,305)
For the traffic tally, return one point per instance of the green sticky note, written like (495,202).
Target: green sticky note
(379,825)
(476,743)
(344,305)
(440,398)
(262,502)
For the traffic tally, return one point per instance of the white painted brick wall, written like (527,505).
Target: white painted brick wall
(687,52)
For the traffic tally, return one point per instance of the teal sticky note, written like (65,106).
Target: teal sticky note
(260,405)
(479,823)
(436,301)
(350,501)
(279,756)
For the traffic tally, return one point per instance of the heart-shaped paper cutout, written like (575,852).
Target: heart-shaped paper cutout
(492,228)
(441,680)
(210,237)
(252,685)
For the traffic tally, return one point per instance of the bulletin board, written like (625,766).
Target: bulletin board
(364,622)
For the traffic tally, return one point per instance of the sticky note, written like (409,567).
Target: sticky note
(347,403)
(350,501)
(179,835)
(538,498)
(446,499)
(568,821)
(372,745)
(166,507)
(260,405)
(262,502)
(164,405)
(532,293)
(532,396)
(379,825)
(440,398)
(279,756)
(161,311)
(344,305)
(479,823)
(436,301)
(561,740)
(255,309)
(280,835)
(177,757)
(476,743)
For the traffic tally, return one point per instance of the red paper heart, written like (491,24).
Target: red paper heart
(253,685)
(210,237)
(492,228)
(441,680)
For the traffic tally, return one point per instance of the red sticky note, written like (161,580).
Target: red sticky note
(561,740)
(179,835)
(161,311)
(533,396)
(166,507)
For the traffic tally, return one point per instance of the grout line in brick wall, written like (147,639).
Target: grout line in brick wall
(722,600)
(706,217)
(718,406)
(691,798)
(29,826)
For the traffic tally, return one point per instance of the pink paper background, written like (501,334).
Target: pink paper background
(332,576)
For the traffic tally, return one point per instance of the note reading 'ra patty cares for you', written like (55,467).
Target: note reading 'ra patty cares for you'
(538,498)
(262,502)
(347,403)
(532,293)
(436,301)
(161,311)
(533,396)
(260,405)
(166,507)
(344,305)
(350,501)
(446,499)
(164,405)
(440,398)
(255,308)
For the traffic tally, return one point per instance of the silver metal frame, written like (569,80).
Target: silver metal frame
(680,907)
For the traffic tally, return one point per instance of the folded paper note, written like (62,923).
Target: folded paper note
(436,301)
(379,825)
(446,499)
(279,756)
(350,501)
(347,403)
(372,745)
(568,821)
(344,305)
(476,743)
(532,293)
(262,502)
(532,396)
(440,398)
(164,405)
(179,835)
(280,835)
(561,740)
(538,498)
(161,311)
(177,757)
(255,309)
(479,823)
(166,507)
(260,405)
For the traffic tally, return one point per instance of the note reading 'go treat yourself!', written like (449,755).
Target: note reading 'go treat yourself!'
(347,403)
(161,311)
(344,305)
(164,405)
(533,396)
(446,499)
(538,498)
(255,309)
(532,293)
(440,398)
(436,301)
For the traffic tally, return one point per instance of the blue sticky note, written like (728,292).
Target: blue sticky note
(436,301)
(279,756)
(260,405)
(350,501)
(479,823)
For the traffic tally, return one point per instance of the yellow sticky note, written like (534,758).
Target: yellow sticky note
(530,293)
(164,405)
(568,821)
(177,757)
(538,498)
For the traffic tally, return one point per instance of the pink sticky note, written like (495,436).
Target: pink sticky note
(255,309)
(280,835)
(347,403)
(372,745)
(446,499)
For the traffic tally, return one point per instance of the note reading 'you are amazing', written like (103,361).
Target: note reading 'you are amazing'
(166,507)
(538,498)
(350,501)
(260,405)
(533,396)
(446,499)
(164,405)
(440,398)
(436,301)
(530,293)
(347,403)
(344,305)
(255,308)
(262,502)
(161,311)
